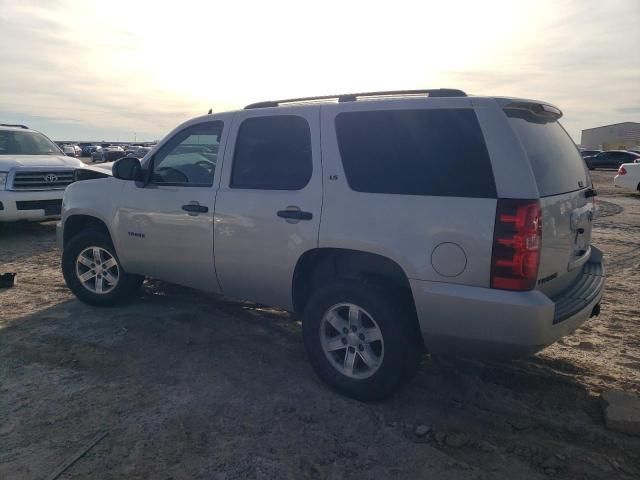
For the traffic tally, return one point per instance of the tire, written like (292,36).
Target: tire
(114,293)
(398,353)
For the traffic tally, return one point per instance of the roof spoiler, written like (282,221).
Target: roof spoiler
(542,110)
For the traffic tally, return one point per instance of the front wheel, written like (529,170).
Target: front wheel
(92,271)
(361,339)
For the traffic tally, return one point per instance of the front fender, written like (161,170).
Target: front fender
(96,198)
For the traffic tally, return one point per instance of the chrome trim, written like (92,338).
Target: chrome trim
(39,172)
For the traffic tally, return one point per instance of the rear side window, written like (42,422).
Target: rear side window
(415,152)
(272,153)
(555,160)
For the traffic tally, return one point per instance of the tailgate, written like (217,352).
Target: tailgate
(566,239)
(566,196)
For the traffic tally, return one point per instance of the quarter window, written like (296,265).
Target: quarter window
(415,152)
(272,153)
(190,157)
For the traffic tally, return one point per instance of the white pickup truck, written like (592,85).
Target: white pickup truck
(33,175)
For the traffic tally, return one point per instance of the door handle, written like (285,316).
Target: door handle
(295,214)
(195,208)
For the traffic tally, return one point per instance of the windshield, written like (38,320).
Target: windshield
(26,143)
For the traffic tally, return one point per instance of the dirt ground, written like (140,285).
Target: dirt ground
(187,385)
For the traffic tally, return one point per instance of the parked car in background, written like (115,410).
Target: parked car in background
(610,159)
(628,176)
(93,148)
(69,150)
(33,174)
(131,149)
(78,150)
(482,273)
(107,154)
(86,149)
(589,153)
(140,152)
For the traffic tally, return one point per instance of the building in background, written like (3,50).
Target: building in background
(619,136)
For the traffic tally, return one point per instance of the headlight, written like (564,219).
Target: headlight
(3,180)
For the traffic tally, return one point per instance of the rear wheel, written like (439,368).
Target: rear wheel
(360,339)
(93,272)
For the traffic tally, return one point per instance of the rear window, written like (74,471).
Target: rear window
(415,152)
(555,160)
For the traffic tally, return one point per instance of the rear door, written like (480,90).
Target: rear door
(564,185)
(614,159)
(269,202)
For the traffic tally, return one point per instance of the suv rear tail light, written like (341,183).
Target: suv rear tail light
(516,244)
(622,170)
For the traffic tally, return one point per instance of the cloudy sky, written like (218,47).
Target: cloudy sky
(114,69)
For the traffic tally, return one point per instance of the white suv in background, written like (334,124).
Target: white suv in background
(391,222)
(33,174)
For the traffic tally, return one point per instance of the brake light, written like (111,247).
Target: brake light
(622,170)
(516,244)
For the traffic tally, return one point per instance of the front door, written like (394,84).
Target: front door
(165,228)
(269,203)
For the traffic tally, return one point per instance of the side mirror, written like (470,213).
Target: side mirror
(127,168)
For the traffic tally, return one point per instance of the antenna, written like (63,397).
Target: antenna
(210,111)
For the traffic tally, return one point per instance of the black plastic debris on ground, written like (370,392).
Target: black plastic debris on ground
(7,280)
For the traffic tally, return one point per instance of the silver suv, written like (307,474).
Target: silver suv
(392,222)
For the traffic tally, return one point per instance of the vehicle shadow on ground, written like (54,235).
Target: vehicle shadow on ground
(27,228)
(197,377)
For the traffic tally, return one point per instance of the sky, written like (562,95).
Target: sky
(133,70)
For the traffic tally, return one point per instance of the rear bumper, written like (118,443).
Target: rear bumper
(463,320)
(18,205)
(626,181)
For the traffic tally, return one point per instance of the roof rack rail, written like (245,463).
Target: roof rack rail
(17,125)
(352,97)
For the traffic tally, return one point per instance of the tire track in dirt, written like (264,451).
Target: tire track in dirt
(607,209)
(617,234)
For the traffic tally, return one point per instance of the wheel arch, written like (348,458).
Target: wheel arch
(78,223)
(321,264)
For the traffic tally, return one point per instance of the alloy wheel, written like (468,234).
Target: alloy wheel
(351,340)
(97,270)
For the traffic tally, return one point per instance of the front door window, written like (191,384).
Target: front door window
(190,158)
